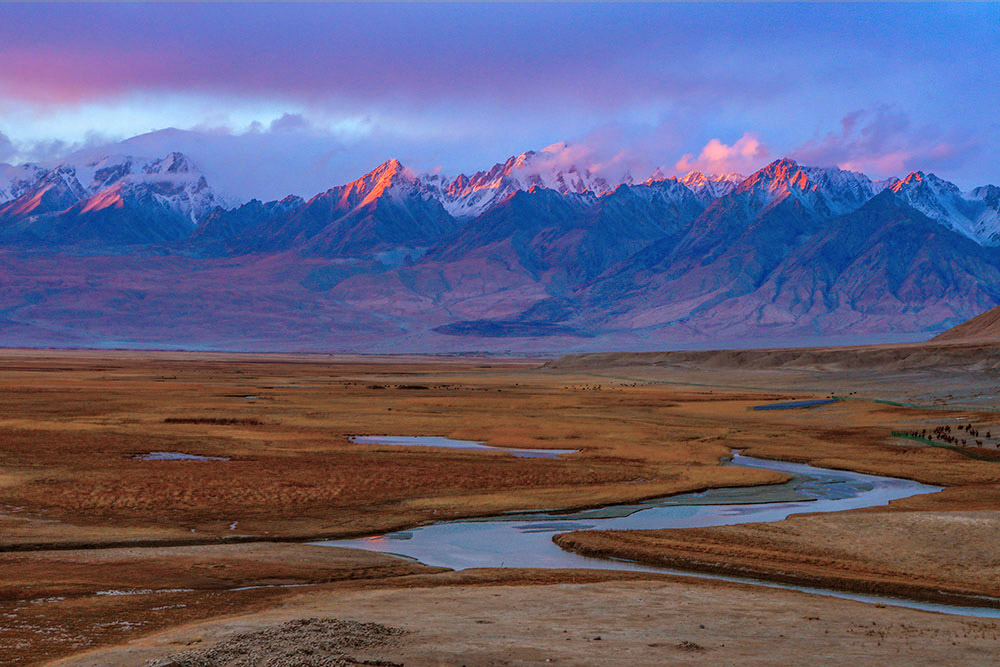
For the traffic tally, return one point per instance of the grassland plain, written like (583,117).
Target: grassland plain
(188,540)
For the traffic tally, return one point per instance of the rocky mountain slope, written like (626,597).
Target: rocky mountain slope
(531,254)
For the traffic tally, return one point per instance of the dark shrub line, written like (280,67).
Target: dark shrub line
(220,421)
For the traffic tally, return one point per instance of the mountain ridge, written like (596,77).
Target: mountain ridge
(555,255)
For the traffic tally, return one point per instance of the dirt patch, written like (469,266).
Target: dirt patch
(650,622)
(308,642)
(690,647)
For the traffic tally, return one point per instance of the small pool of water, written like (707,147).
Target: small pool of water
(177,456)
(795,405)
(448,443)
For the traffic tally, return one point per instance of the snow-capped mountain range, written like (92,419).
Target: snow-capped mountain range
(536,248)
(173,183)
(828,191)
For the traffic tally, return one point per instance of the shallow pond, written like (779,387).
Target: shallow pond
(524,539)
(177,456)
(447,443)
(796,405)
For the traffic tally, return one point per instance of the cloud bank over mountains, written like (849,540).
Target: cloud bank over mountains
(294,154)
(727,87)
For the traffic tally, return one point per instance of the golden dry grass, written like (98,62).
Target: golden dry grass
(71,423)
(939,556)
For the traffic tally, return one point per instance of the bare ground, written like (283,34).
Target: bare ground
(307,642)
(637,622)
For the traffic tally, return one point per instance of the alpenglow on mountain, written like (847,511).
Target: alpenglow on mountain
(529,255)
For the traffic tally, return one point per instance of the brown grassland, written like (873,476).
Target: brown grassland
(81,516)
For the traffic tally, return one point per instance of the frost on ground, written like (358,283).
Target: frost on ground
(309,642)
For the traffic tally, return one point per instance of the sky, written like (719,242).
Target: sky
(272,99)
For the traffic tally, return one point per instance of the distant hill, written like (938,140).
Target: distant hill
(985,326)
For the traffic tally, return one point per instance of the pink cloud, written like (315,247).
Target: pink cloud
(743,156)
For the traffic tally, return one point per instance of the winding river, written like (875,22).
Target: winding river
(524,539)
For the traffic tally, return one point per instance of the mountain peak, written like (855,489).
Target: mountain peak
(470,196)
(389,179)
(777,177)
(391,164)
(705,187)
(919,181)
(374,184)
(100,181)
(914,177)
(173,163)
(389,169)
(783,163)
(782,170)
(974,214)
(826,191)
(693,177)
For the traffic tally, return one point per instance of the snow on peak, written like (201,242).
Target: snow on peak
(16,180)
(975,214)
(990,194)
(556,167)
(710,186)
(390,179)
(827,191)
(172,182)
(372,185)
(110,180)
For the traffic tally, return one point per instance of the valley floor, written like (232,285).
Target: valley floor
(477,620)
(103,551)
